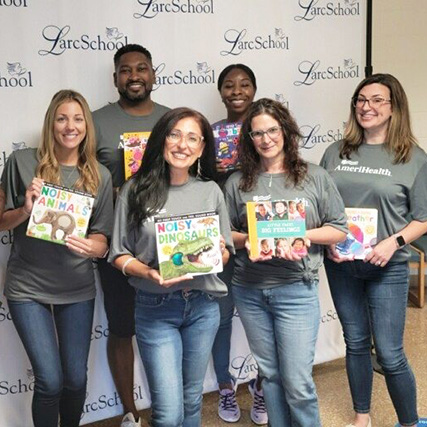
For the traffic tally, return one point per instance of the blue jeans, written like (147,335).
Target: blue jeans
(222,343)
(57,340)
(371,302)
(175,333)
(281,325)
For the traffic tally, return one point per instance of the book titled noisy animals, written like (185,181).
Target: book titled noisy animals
(60,212)
(188,244)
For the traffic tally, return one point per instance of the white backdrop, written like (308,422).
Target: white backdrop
(307,54)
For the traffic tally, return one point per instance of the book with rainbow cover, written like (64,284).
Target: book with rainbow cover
(362,236)
(134,144)
(188,244)
(59,212)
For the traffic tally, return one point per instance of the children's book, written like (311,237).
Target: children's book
(226,141)
(188,244)
(362,236)
(276,226)
(60,212)
(134,144)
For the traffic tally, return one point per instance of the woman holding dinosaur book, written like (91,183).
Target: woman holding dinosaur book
(277,297)
(176,319)
(378,165)
(50,288)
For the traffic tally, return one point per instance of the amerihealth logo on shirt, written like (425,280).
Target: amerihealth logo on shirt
(353,166)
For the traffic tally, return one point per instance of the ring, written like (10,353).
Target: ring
(378,263)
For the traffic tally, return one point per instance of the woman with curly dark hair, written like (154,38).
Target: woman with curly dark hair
(277,298)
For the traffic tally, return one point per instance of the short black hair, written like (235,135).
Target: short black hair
(242,67)
(127,48)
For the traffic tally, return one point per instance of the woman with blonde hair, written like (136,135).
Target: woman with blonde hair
(378,165)
(50,288)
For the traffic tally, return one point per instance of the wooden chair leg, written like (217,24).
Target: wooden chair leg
(418,297)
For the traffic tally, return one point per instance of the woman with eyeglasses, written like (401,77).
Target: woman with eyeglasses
(277,297)
(378,165)
(177,319)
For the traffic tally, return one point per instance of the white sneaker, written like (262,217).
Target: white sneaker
(228,408)
(129,421)
(369,424)
(258,412)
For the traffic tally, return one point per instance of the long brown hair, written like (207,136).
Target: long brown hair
(48,168)
(400,139)
(293,164)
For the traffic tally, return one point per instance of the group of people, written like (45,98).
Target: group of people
(179,322)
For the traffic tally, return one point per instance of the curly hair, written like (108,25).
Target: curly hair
(400,139)
(293,163)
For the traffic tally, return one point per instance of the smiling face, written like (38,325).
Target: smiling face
(134,78)
(374,120)
(237,93)
(69,128)
(280,207)
(180,155)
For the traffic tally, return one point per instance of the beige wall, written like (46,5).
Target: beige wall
(400,48)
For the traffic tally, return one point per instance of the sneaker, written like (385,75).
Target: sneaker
(258,412)
(369,424)
(228,408)
(129,421)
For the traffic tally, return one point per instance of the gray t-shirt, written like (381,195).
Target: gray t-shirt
(369,179)
(111,122)
(44,271)
(194,196)
(323,206)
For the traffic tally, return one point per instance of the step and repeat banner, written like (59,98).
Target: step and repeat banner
(307,54)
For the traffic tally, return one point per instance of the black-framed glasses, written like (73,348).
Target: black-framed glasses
(192,139)
(374,102)
(258,135)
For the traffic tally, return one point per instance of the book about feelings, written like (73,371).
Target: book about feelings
(363,226)
(134,144)
(226,141)
(188,244)
(276,226)
(60,212)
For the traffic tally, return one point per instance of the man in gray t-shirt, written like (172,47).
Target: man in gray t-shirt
(133,113)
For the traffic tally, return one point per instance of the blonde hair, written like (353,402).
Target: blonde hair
(48,168)
(400,139)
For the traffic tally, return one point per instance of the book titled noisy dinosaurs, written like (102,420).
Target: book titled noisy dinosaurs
(188,244)
(226,142)
(60,212)
(134,144)
(363,227)
(276,226)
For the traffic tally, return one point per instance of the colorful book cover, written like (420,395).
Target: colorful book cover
(134,144)
(362,236)
(275,226)
(59,212)
(226,141)
(188,244)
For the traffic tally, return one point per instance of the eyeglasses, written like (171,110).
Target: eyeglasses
(258,135)
(192,139)
(374,102)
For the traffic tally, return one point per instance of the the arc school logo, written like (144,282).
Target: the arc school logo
(59,39)
(22,385)
(17,75)
(151,8)
(106,401)
(13,3)
(238,41)
(311,9)
(99,332)
(329,316)
(4,312)
(201,74)
(313,135)
(312,71)
(279,97)
(243,367)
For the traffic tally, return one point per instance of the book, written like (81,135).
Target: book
(226,142)
(59,212)
(134,144)
(362,236)
(188,244)
(276,226)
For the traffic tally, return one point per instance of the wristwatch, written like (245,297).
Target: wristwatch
(400,241)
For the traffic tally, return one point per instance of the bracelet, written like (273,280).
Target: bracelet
(127,262)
